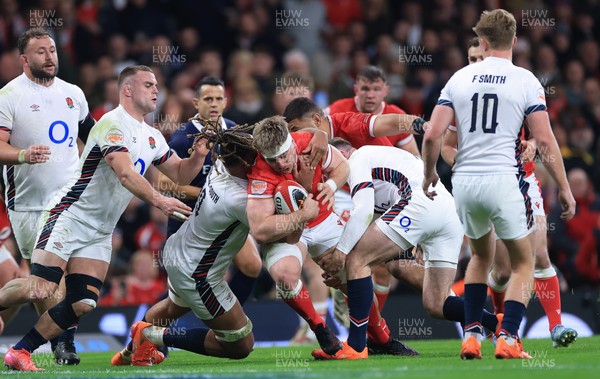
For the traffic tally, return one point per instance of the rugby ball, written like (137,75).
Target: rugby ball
(289,197)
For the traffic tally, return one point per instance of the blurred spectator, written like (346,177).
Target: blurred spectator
(87,38)
(118,50)
(574,75)
(152,235)
(566,237)
(189,41)
(590,57)
(169,118)
(146,18)
(263,70)
(332,63)
(377,18)
(306,20)
(290,86)
(546,69)
(12,25)
(141,286)
(591,103)
(111,99)
(240,65)
(578,153)
(136,214)
(587,261)
(88,82)
(340,13)
(106,68)
(211,63)
(11,68)
(296,61)
(248,106)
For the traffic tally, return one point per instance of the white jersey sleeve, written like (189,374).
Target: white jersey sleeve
(360,182)
(163,152)
(7,109)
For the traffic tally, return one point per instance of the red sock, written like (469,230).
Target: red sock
(497,300)
(302,304)
(381,298)
(547,291)
(377,329)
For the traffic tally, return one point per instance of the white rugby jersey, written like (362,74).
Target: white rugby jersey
(380,177)
(95,194)
(34,114)
(206,243)
(491,99)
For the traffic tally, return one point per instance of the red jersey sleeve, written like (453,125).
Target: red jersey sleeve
(262,180)
(356,128)
(342,105)
(5,230)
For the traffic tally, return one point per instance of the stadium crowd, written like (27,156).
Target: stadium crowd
(254,45)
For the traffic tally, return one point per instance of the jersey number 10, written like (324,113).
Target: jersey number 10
(487,97)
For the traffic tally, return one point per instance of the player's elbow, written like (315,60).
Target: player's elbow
(124,178)
(260,234)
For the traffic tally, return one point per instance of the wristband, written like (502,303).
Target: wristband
(331,184)
(417,125)
(21,157)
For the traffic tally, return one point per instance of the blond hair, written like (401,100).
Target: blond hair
(498,28)
(269,134)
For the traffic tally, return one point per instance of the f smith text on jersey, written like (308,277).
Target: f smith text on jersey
(494,79)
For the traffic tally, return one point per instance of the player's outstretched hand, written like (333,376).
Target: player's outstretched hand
(317,147)
(310,208)
(37,154)
(567,203)
(174,208)
(431,180)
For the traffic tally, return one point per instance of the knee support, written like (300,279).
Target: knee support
(80,287)
(50,273)
(84,288)
(234,335)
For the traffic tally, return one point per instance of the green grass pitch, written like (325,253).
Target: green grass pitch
(439,359)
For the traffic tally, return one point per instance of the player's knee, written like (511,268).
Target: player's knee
(433,307)
(355,262)
(285,277)
(82,292)
(501,275)
(251,268)
(243,348)
(239,343)
(381,274)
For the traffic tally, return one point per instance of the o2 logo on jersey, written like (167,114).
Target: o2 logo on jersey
(142,165)
(59,133)
(405,223)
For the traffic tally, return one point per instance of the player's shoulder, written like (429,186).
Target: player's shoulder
(18,84)
(342,105)
(180,135)
(394,109)
(70,88)
(229,123)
